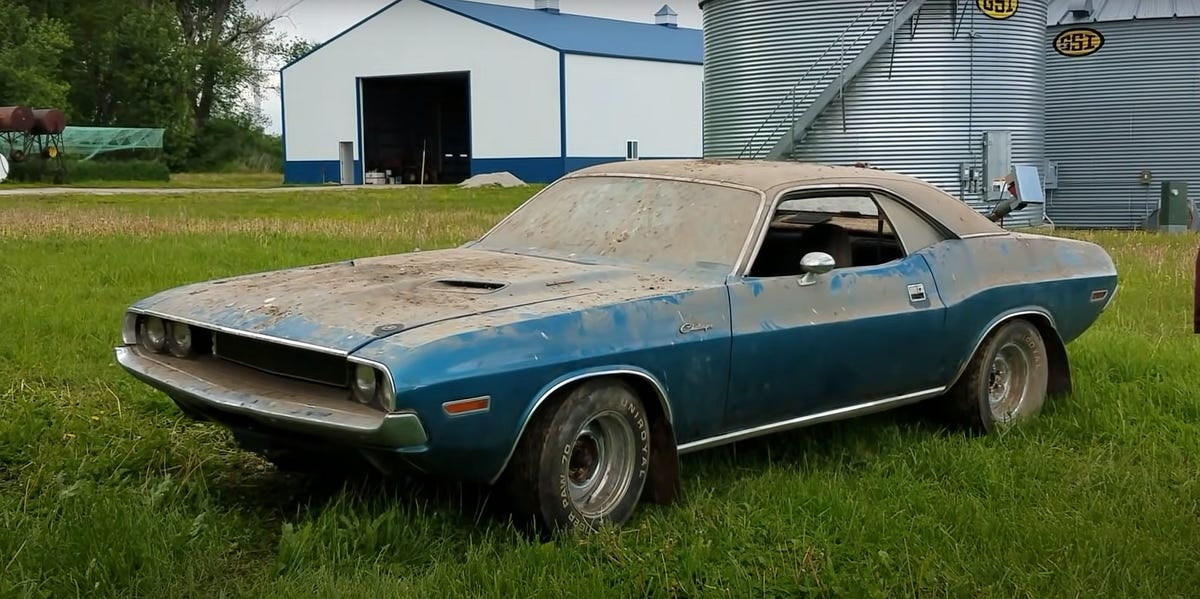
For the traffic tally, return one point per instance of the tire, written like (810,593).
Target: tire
(583,461)
(1006,380)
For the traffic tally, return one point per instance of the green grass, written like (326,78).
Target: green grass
(106,491)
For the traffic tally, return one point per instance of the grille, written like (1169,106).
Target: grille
(282,360)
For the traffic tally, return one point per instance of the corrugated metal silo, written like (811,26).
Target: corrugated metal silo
(917,101)
(1132,105)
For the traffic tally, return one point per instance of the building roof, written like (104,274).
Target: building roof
(573,34)
(1103,11)
(578,34)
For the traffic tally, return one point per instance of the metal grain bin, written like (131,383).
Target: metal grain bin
(1124,116)
(919,104)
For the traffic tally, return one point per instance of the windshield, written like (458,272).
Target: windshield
(677,224)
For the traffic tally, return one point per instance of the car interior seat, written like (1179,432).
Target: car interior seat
(829,238)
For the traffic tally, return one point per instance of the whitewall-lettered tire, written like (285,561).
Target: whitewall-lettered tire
(583,461)
(1006,380)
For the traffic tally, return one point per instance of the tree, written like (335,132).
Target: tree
(230,44)
(31,50)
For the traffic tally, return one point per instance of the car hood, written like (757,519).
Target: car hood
(342,306)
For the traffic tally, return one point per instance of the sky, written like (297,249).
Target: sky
(320,20)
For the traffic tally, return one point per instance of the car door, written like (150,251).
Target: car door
(803,346)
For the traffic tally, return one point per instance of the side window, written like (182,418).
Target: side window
(849,225)
(914,232)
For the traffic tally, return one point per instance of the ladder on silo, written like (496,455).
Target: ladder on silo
(785,144)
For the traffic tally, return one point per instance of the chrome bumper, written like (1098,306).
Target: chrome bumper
(213,386)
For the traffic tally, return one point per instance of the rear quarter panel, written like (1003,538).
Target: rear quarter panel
(516,356)
(983,280)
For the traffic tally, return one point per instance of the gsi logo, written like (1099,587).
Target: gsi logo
(1079,41)
(997,9)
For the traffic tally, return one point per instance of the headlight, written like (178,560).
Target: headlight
(364,383)
(153,333)
(373,386)
(180,340)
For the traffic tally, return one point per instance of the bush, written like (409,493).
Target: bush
(41,171)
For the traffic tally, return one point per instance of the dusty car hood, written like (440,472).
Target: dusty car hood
(343,305)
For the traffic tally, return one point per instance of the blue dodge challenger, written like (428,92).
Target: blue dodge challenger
(626,314)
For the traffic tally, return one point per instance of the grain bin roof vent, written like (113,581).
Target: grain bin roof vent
(666,16)
(1081,9)
(550,6)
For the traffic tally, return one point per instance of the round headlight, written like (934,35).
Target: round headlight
(153,333)
(180,340)
(364,383)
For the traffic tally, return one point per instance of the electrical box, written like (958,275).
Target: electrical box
(997,163)
(1173,207)
(1029,184)
(631,149)
(1051,172)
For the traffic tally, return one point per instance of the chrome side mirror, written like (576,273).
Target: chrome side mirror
(814,264)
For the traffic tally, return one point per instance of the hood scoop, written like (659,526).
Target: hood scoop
(477,286)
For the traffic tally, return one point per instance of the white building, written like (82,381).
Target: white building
(479,88)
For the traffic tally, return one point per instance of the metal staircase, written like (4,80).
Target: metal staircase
(803,112)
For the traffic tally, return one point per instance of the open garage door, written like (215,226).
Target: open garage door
(404,115)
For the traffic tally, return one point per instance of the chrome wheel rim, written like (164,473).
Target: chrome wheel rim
(1008,381)
(601,464)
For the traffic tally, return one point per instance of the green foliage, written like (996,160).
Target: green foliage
(235,144)
(184,65)
(106,491)
(31,49)
(37,170)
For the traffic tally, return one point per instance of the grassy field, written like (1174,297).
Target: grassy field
(106,491)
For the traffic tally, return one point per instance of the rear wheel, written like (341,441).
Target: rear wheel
(1006,379)
(583,461)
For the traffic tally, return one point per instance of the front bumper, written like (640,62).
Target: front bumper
(214,387)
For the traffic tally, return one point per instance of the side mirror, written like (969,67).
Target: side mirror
(814,264)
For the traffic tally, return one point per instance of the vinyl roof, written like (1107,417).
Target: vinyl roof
(772,177)
(1103,11)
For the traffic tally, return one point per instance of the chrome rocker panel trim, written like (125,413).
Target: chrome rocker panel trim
(864,409)
(325,414)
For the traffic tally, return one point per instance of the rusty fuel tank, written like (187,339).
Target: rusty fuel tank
(17,119)
(48,121)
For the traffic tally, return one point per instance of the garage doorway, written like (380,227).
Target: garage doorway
(410,115)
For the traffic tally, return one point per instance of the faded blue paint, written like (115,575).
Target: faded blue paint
(643,335)
(851,337)
(308,172)
(755,351)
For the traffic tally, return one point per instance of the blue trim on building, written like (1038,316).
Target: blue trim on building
(580,34)
(562,108)
(529,170)
(344,32)
(572,34)
(574,163)
(314,172)
(359,175)
(282,118)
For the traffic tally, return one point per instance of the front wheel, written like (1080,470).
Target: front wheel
(584,461)
(1006,380)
